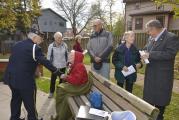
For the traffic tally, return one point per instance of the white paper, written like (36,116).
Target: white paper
(143,53)
(131,70)
(97,112)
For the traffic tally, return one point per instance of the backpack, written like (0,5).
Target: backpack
(95,99)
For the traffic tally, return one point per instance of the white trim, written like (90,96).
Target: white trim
(33,52)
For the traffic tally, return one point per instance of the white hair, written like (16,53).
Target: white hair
(31,35)
(57,34)
(126,34)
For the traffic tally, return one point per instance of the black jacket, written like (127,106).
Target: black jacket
(20,72)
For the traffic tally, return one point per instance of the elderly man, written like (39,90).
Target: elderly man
(57,54)
(161,51)
(99,48)
(20,74)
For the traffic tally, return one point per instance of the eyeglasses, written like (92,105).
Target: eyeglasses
(95,25)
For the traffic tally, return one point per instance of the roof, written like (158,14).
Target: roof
(133,1)
(54,13)
(153,12)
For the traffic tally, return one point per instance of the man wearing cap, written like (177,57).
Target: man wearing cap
(20,72)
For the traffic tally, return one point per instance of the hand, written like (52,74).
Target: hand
(63,76)
(125,69)
(145,56)
(97,59)
(138,65)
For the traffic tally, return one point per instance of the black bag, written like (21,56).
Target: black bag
(97,66)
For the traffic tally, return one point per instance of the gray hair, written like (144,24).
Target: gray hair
(126,34)
(31,35)
(57,34)
(154,23)
(99,21)
(78,37)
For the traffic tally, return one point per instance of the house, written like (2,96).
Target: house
(139,12)
(50,22)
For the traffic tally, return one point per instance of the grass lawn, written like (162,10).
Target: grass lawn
(4,56)
(172,111)
(86,60)
(1,75)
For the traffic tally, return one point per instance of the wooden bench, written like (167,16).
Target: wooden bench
(114,99)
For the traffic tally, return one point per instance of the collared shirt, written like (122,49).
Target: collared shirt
(158,36)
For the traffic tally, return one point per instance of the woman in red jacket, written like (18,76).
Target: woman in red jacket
(75,83)
(77,45)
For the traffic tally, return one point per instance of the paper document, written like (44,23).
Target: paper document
(131,70)
(143,53)
(97,112)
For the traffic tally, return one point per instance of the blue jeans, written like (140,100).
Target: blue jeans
(104,71)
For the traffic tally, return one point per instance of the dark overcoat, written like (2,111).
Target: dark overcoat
(159,72)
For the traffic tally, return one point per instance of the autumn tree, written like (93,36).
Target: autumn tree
(119,26)
(77,12)
(18,14)
(173,3)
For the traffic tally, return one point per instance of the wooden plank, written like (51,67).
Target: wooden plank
(78,101)
(120,101)
(85,99)
(73,106)
(132,99)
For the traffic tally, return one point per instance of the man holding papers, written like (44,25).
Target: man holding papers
(160,51)
(126,59)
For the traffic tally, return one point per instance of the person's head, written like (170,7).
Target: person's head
(37,39)
(97,25)
(71,57)
(58,37)
(78,38)
(75,57)
(129,37)
(154,27)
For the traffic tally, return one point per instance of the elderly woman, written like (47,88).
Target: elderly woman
(57,54)
(77,46)
(75,83)
(125,55)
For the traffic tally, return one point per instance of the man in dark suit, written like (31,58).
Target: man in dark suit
(161,51)
(20,73)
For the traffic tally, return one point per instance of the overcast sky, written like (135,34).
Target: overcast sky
(118,7)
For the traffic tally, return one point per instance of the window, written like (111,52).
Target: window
(61,24)
(161,19)
(129,25)
(138,23)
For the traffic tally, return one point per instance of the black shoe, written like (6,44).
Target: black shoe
(21,118)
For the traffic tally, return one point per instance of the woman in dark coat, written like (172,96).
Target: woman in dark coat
(77,46)
(125,55)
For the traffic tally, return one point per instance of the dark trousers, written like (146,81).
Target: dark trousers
(53,80)
(128,87)
(28,97)
(162,110)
